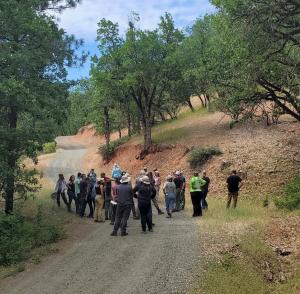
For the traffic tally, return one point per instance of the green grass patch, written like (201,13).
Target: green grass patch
(49,147)
(291,198)
(29,232)
(170,136)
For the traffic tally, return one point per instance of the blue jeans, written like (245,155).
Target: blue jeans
(170,201)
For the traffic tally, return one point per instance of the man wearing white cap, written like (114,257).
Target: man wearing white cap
(124,205)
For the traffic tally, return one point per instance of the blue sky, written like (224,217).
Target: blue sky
(82,20)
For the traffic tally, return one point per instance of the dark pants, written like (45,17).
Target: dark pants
(122,215)
(63,196)
(234,196)
(196,200)
(108,209)
(77,203)
(89,201)
(146,216)
(113,213)
(71,196)
(204,203)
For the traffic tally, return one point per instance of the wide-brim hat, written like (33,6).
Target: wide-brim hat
(177,173)
(145,180)
(125,179)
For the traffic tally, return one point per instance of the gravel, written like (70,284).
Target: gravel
(165,261)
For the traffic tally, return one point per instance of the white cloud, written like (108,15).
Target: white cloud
(82,21)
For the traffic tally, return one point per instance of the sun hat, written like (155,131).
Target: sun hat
(177,173)
(145,180)
(125,179)
(142,173)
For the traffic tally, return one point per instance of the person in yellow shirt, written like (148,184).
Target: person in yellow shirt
(196,183)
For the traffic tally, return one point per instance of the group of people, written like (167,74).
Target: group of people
(115,198)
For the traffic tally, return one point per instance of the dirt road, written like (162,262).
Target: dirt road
(165,261)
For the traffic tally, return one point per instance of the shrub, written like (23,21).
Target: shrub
(291,199)
(18,235)
(107,151)
(49,147)
(199,156)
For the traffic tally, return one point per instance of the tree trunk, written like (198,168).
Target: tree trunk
(147,134)
(189,103)
(129,124)
(12,162)
(162,116)
(120,132)
(106,125)
(199,95)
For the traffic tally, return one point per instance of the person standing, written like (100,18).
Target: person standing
(99,201)
(107,196)
(204,203)
(61,191)
(196,194)
(182,195)
(145,193)
(124,205)
(92,176)
(116,172)
(71,190)
(169,190)
(114,200)
(157,183)
(154,199)
(77,192)
(233,184)
(86,190)
(178,181)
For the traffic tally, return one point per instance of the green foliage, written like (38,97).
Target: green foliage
(20,234)
(242,270)
(107,151)
(291,198)
(139,69)
(49,147)
(199,156)
(33,84)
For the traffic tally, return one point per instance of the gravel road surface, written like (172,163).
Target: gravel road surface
(165,261)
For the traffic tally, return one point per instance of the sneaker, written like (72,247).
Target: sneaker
(151,230)
(124,234)
(113,234)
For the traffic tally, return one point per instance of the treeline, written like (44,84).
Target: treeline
(244,57)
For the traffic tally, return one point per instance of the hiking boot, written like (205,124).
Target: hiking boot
(114,234)
(124,234)
(151,230)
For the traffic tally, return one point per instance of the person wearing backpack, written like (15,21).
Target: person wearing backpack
(145,192)
(196,193)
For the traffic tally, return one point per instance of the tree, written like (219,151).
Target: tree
(266,58)
(137,68)
(33,89)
